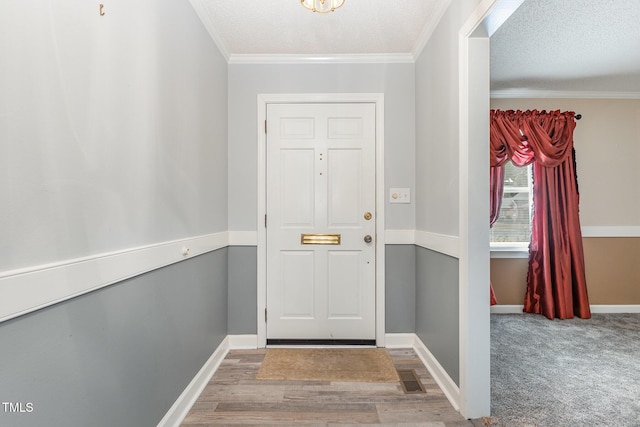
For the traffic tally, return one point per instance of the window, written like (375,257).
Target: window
(513,227)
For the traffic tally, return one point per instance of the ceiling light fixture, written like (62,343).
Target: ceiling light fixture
(322,6)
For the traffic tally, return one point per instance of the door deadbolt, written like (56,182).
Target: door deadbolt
(367,239)
(368,216)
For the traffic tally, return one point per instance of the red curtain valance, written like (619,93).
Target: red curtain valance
(525,136)
(556,281)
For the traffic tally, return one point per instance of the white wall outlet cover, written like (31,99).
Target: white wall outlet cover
(399,195)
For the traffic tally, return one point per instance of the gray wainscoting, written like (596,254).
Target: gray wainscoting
(400,292)
(400,283)
(437,307)
(119,356)
(243,288)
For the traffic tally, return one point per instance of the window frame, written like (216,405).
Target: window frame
(515,249)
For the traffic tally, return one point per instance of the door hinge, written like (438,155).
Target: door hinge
(265,315)
(265,126)
(265,220)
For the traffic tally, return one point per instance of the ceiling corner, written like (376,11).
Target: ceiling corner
(204,14)
(439,10)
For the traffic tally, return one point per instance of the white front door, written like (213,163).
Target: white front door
(321,221)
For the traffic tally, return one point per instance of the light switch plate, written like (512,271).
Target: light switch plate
(399,195)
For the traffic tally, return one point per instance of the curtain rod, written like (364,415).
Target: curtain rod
(576,116)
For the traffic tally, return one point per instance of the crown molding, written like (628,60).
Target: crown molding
(439,10)
(364,58)
(533,93)
(203,13)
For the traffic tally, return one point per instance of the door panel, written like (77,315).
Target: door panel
(298,283)
(345,181)
(345,128)
(297,128)
(320,181)
(298,187)
(344,285)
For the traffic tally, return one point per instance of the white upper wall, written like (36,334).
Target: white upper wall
(437,123)
(607,142)
(113,128)
(246,81)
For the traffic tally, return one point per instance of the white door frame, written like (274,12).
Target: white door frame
(300,98)
(474,97)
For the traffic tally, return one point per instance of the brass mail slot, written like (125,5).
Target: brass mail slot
(320,239)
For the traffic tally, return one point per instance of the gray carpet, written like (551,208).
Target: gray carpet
(565,372)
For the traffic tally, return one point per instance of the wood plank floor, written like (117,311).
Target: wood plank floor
(235,397)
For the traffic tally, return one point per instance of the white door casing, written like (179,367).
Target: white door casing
(320,167)
(261,107)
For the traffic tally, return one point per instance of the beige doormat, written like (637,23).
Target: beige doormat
(368,365)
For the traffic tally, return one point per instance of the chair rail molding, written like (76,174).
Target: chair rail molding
(28,289)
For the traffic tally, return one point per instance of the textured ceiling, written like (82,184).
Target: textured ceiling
(576,45)
(286,27)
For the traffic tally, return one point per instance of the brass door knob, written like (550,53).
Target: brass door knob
(367,239)
(368,216)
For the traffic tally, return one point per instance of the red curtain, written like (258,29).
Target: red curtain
(496,187)
(556,283)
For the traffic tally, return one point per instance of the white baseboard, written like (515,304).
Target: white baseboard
(185,401)
(506,309)
(242,342)
(615,308)
(595,308)
(439,374)
(400,340)
(182,405)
